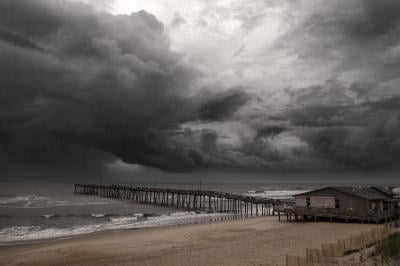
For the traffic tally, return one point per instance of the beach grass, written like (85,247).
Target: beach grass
(389,248)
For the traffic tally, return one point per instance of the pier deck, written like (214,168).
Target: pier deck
(201,200)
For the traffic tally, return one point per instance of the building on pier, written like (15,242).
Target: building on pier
(364,204)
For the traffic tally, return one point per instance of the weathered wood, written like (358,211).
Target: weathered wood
(186,199)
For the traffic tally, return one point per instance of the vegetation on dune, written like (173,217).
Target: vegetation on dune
(389,248)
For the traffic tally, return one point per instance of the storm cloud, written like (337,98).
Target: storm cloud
(358,135)
(352,118)
(80,86)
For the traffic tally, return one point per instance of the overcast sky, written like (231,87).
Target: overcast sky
(191,86)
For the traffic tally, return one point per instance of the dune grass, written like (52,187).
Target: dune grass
(389,248)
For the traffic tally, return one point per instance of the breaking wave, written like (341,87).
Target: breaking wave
(34,201)
(18,234)
(275,194)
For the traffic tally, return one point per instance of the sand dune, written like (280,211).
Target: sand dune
(257,241)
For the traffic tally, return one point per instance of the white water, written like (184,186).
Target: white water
(275,194)
(52,211)
(15,234)
(34,201)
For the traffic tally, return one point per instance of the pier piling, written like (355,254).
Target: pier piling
(197,200)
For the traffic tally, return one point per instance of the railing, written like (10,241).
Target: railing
(330,212)
(187,199)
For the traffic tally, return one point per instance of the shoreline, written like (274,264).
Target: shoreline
(60,238)
(197,220)
(261,240)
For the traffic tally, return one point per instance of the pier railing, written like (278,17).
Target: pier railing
(201,200)
(340,213)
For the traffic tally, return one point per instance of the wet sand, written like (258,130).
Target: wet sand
(256,241)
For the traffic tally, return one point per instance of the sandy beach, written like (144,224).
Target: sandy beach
(257,241)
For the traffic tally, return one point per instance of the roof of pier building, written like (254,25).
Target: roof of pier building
(368,193)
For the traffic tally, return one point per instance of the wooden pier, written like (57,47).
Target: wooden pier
(197,200)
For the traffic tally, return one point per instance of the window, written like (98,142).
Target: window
(385,206)
(308,201)
(337,204)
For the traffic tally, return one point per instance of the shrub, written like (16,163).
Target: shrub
(389,247)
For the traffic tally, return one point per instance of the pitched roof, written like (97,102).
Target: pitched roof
(382,190)
(360,192)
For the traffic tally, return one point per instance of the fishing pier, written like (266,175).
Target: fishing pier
(196,200)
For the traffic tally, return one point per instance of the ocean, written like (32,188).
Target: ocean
(42,212)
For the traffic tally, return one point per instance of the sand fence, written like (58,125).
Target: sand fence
(328,254)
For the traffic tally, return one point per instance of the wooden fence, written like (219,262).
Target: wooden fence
(329,254)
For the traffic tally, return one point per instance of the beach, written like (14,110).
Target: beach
(255,241)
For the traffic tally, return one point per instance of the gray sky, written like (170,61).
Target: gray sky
(191,86)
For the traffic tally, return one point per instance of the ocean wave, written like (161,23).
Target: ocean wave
(29,201)
(275,194)
(98,215)
(17,199)
(29,233)
(34,201)
(48,216)
(123,220)
(182,213)
(181,218)
(94,202)
(15,234)
(90,215)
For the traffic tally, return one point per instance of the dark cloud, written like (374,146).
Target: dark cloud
(359,135)
(18,40)
(78,85)
(381,17)
(330,126)
(270,131)
(350,120)
(208,140)
(224,105)
(354,36)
